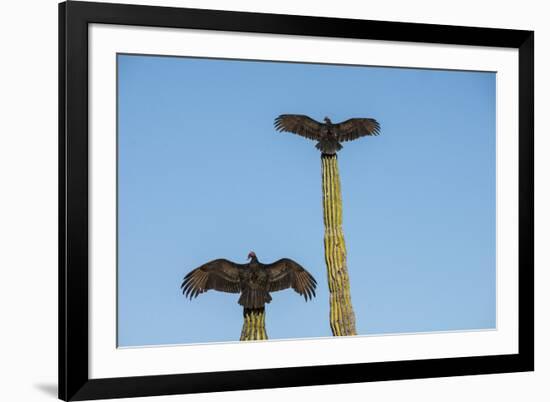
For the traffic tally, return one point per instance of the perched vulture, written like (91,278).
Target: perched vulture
(253,280)
(328,134)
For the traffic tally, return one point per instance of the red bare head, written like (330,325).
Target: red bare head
(252,254)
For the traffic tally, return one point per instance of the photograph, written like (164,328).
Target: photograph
(266,200)
(255,200)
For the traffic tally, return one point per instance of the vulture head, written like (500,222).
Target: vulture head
(251,255)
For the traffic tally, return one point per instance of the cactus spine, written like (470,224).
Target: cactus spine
(342,317)
(253,325)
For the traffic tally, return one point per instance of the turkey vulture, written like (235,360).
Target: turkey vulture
(253,281)
(328,134)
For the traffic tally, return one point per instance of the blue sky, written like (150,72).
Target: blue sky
(203,175)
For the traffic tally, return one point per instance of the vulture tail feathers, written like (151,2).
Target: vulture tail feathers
(328,147)
(254,298)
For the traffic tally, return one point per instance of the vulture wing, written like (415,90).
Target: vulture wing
(354,128)
(299,124)
(221,274)
(287,273)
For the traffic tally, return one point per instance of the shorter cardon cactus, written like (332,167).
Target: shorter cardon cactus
(254,324)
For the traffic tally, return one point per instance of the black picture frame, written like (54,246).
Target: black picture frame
(74,381)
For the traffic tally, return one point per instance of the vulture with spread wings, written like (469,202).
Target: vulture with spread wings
(254,280)
(328,135)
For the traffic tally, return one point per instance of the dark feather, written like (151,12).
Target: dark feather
(354,128)
(299,124)
(220,274)
(254,298)
(286,273)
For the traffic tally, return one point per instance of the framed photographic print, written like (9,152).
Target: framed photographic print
(257,200)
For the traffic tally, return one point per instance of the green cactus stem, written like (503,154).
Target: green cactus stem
(342,317)
(253,325)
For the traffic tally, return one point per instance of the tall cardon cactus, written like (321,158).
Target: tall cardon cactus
(342,317)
